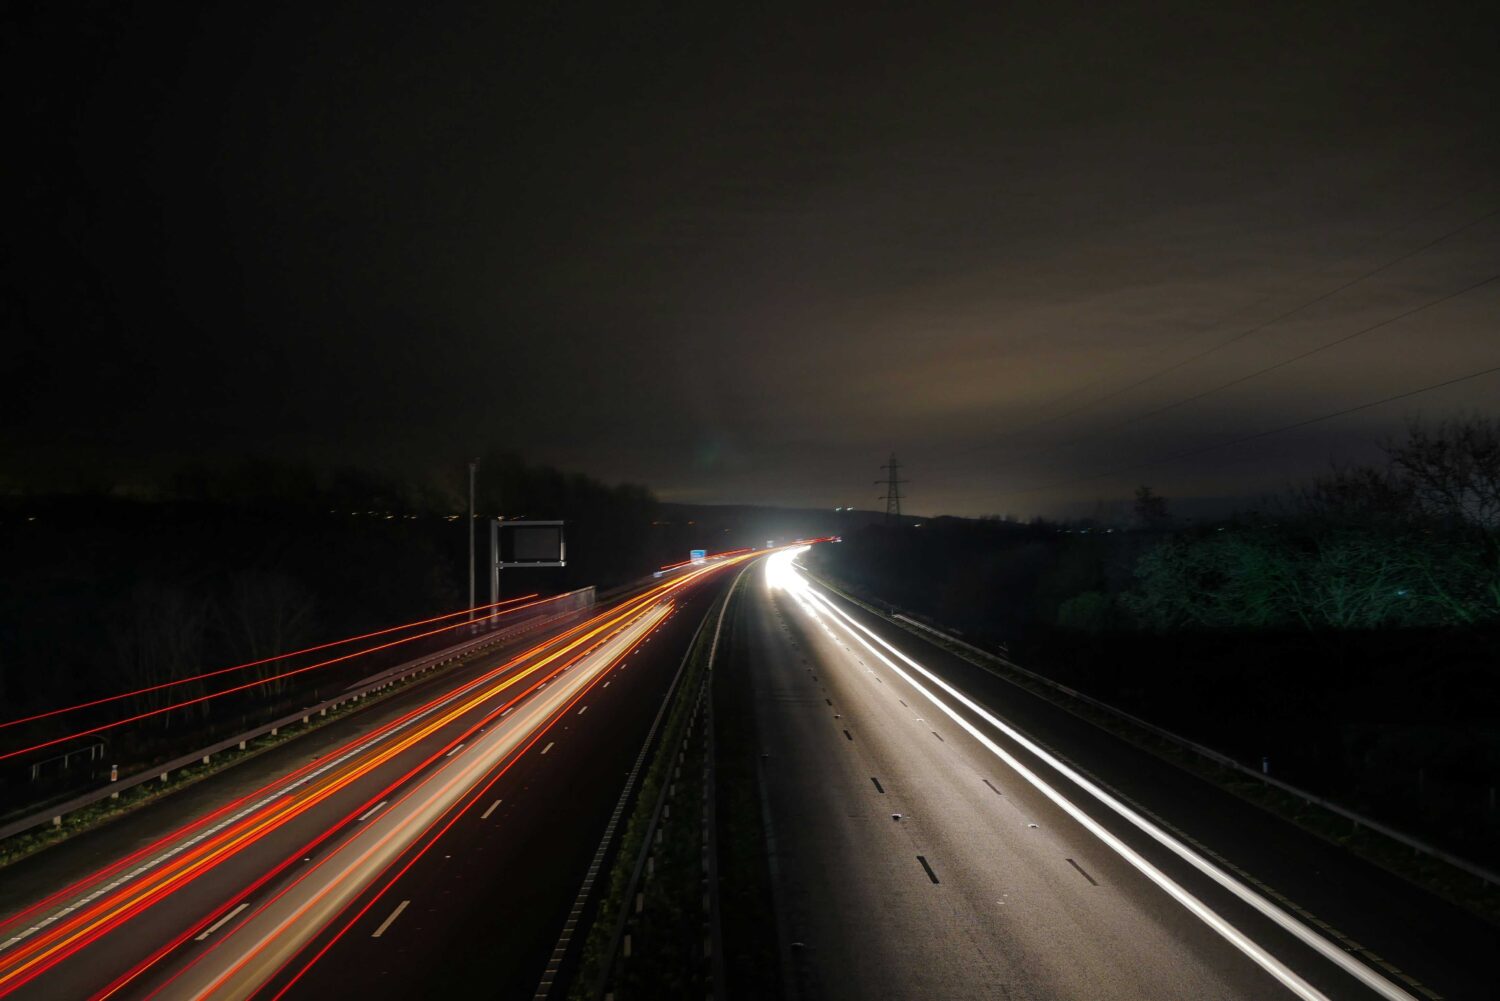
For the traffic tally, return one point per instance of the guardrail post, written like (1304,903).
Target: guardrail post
(383,681)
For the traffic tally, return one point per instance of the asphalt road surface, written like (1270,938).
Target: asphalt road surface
(939,833)
(430,846)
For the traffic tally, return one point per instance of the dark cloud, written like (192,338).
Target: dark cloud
(740,254)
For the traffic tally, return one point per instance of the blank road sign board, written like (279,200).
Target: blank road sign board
(532,544)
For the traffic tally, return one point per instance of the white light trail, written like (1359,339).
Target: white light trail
(781,574)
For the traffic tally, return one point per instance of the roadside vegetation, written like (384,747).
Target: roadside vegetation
(1347,638)
(129,587)
(664,954)
(668,925)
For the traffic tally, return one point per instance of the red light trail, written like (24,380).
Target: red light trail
(257,663)
(246,686)
(92,919)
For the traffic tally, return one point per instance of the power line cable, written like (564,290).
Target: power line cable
(1310,352)
(1161,460)
(1287,314)
(1137,418)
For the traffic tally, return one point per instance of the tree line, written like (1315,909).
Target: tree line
(209,565)
(1411,542)
(1348,633)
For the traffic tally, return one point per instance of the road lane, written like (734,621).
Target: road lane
(300,811)
(489,899)
(1433,948)
(928,854)
(276,833)
(259,946)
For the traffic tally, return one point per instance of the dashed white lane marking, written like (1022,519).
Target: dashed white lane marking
(1249,947)
(451,753)
(548,747)
(366,815)
(486,814)
(387,922)
(234,818)
(605,685)
(583,710)
(220,923)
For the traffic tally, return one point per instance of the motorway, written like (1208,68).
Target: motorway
(429,845)
(938,833)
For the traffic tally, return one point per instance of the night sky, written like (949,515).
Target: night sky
(740,255)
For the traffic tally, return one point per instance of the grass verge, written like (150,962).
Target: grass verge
(667,926)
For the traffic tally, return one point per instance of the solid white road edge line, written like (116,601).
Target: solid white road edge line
(1233,935)
(345,877)
(1327,949)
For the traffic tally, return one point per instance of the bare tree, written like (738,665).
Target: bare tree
(1150,508)
(158,637)
(265,614)
(1452,469)
(1357,494)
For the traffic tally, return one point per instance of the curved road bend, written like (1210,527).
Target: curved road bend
(928,847)
(454,820)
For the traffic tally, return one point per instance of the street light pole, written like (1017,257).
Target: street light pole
(494,560)
(473,466)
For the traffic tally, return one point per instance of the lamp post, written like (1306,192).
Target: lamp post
(473,467)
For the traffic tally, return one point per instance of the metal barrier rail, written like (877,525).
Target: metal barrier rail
(1218,757)
(585,600)
(1224,760)
(638,872)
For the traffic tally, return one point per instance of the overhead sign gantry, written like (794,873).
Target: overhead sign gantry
(524,544)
